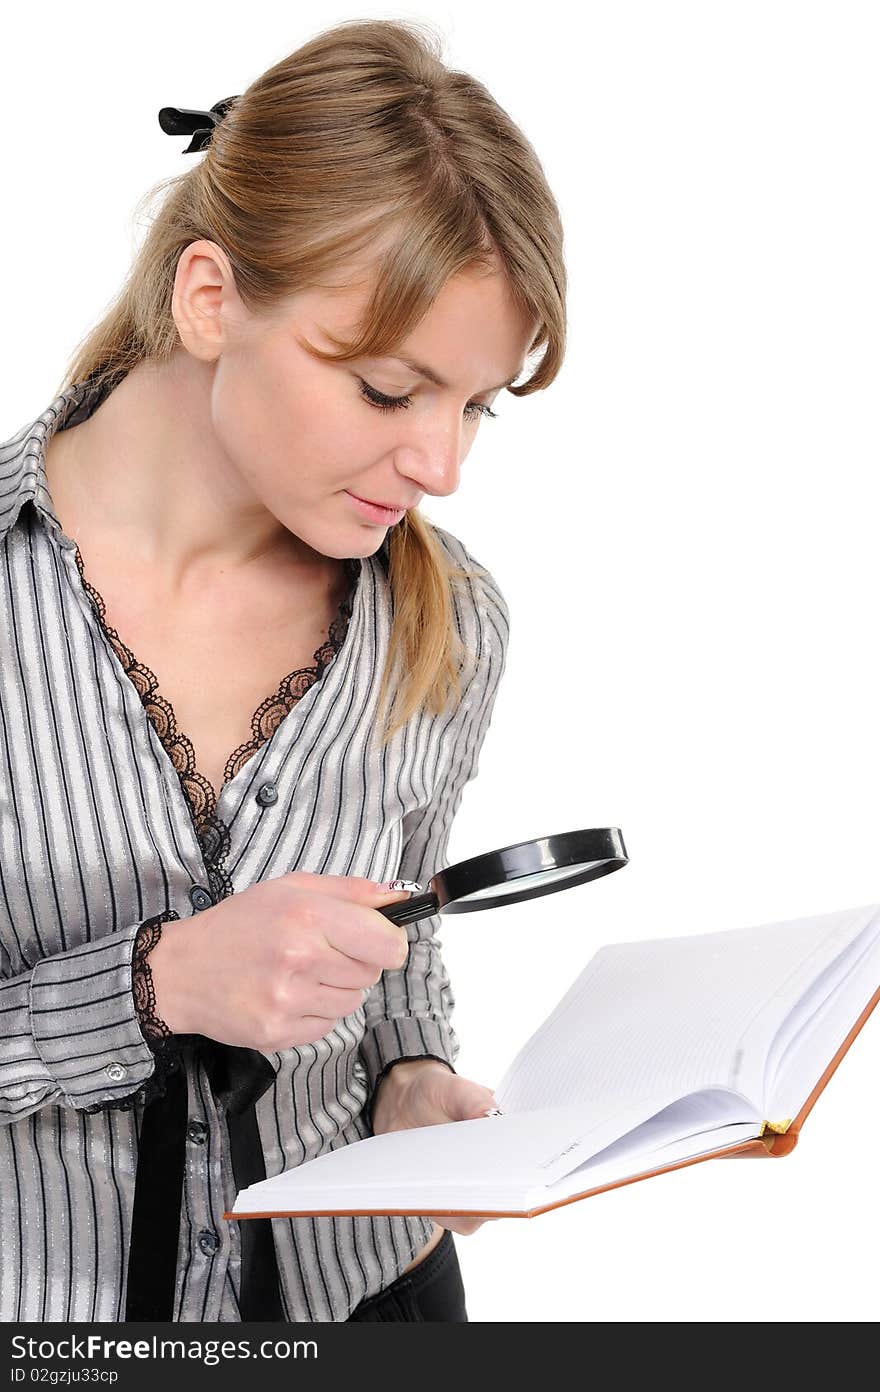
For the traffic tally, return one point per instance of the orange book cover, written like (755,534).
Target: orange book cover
(779,1135)
(777,1139)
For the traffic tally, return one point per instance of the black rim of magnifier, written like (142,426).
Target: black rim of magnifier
(599,849)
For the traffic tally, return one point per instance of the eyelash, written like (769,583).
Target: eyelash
(396,403)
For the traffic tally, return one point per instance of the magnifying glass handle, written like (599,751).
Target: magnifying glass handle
(412,910)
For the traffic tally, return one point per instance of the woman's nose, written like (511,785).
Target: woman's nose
(434,462)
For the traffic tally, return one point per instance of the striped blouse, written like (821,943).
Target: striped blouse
(106,822)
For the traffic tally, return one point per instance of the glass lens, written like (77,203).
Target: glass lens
(529,881)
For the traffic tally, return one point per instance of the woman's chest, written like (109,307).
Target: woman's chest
(97,825)
(226,664)
(223,673)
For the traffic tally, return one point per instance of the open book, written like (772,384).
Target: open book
(662,1053)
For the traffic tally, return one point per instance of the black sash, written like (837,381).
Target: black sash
(238,1078)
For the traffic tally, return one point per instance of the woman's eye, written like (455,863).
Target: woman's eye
(381,402)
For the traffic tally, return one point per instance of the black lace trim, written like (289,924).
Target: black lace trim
(153,1028)
(211,831)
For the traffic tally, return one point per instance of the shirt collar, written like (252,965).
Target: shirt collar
(23,474)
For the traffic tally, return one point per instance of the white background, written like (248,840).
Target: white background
(684,526)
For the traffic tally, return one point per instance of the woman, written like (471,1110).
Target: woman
(197,988)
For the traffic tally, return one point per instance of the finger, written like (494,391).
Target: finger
(348,972)
(351,887)
(366,936)
(464,1100)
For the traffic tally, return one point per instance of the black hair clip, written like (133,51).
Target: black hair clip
(178,120)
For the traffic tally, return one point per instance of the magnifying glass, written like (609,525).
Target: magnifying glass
(520,871)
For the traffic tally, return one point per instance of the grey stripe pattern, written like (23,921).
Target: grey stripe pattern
(96,835)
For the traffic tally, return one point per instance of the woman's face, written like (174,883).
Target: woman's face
(304,435)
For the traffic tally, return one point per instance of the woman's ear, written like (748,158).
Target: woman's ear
(205,303)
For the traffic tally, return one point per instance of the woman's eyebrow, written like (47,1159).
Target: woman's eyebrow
(432,376)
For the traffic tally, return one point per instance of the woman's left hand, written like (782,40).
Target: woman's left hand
(424,1092)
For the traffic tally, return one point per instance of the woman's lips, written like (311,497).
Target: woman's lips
(375,512)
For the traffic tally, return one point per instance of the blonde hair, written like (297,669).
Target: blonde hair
(360,139)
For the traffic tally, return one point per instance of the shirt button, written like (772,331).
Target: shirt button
(116,1071)
(267,794)
(200,898)
(208,1242)
(197,1131)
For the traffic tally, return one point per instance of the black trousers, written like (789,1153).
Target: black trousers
(432,1291)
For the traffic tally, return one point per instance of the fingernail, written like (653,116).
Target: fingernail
(412,885)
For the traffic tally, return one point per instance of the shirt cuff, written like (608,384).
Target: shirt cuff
(397,1041)
(83,1020)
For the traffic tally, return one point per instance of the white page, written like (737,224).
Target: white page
(691,1126)
(676,1015)
(445,1164)
(827,992)
(491,1162)
(799,1069)
(645,1025)
(408,1166)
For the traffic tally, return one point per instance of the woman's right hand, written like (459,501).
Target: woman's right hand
(279,963)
